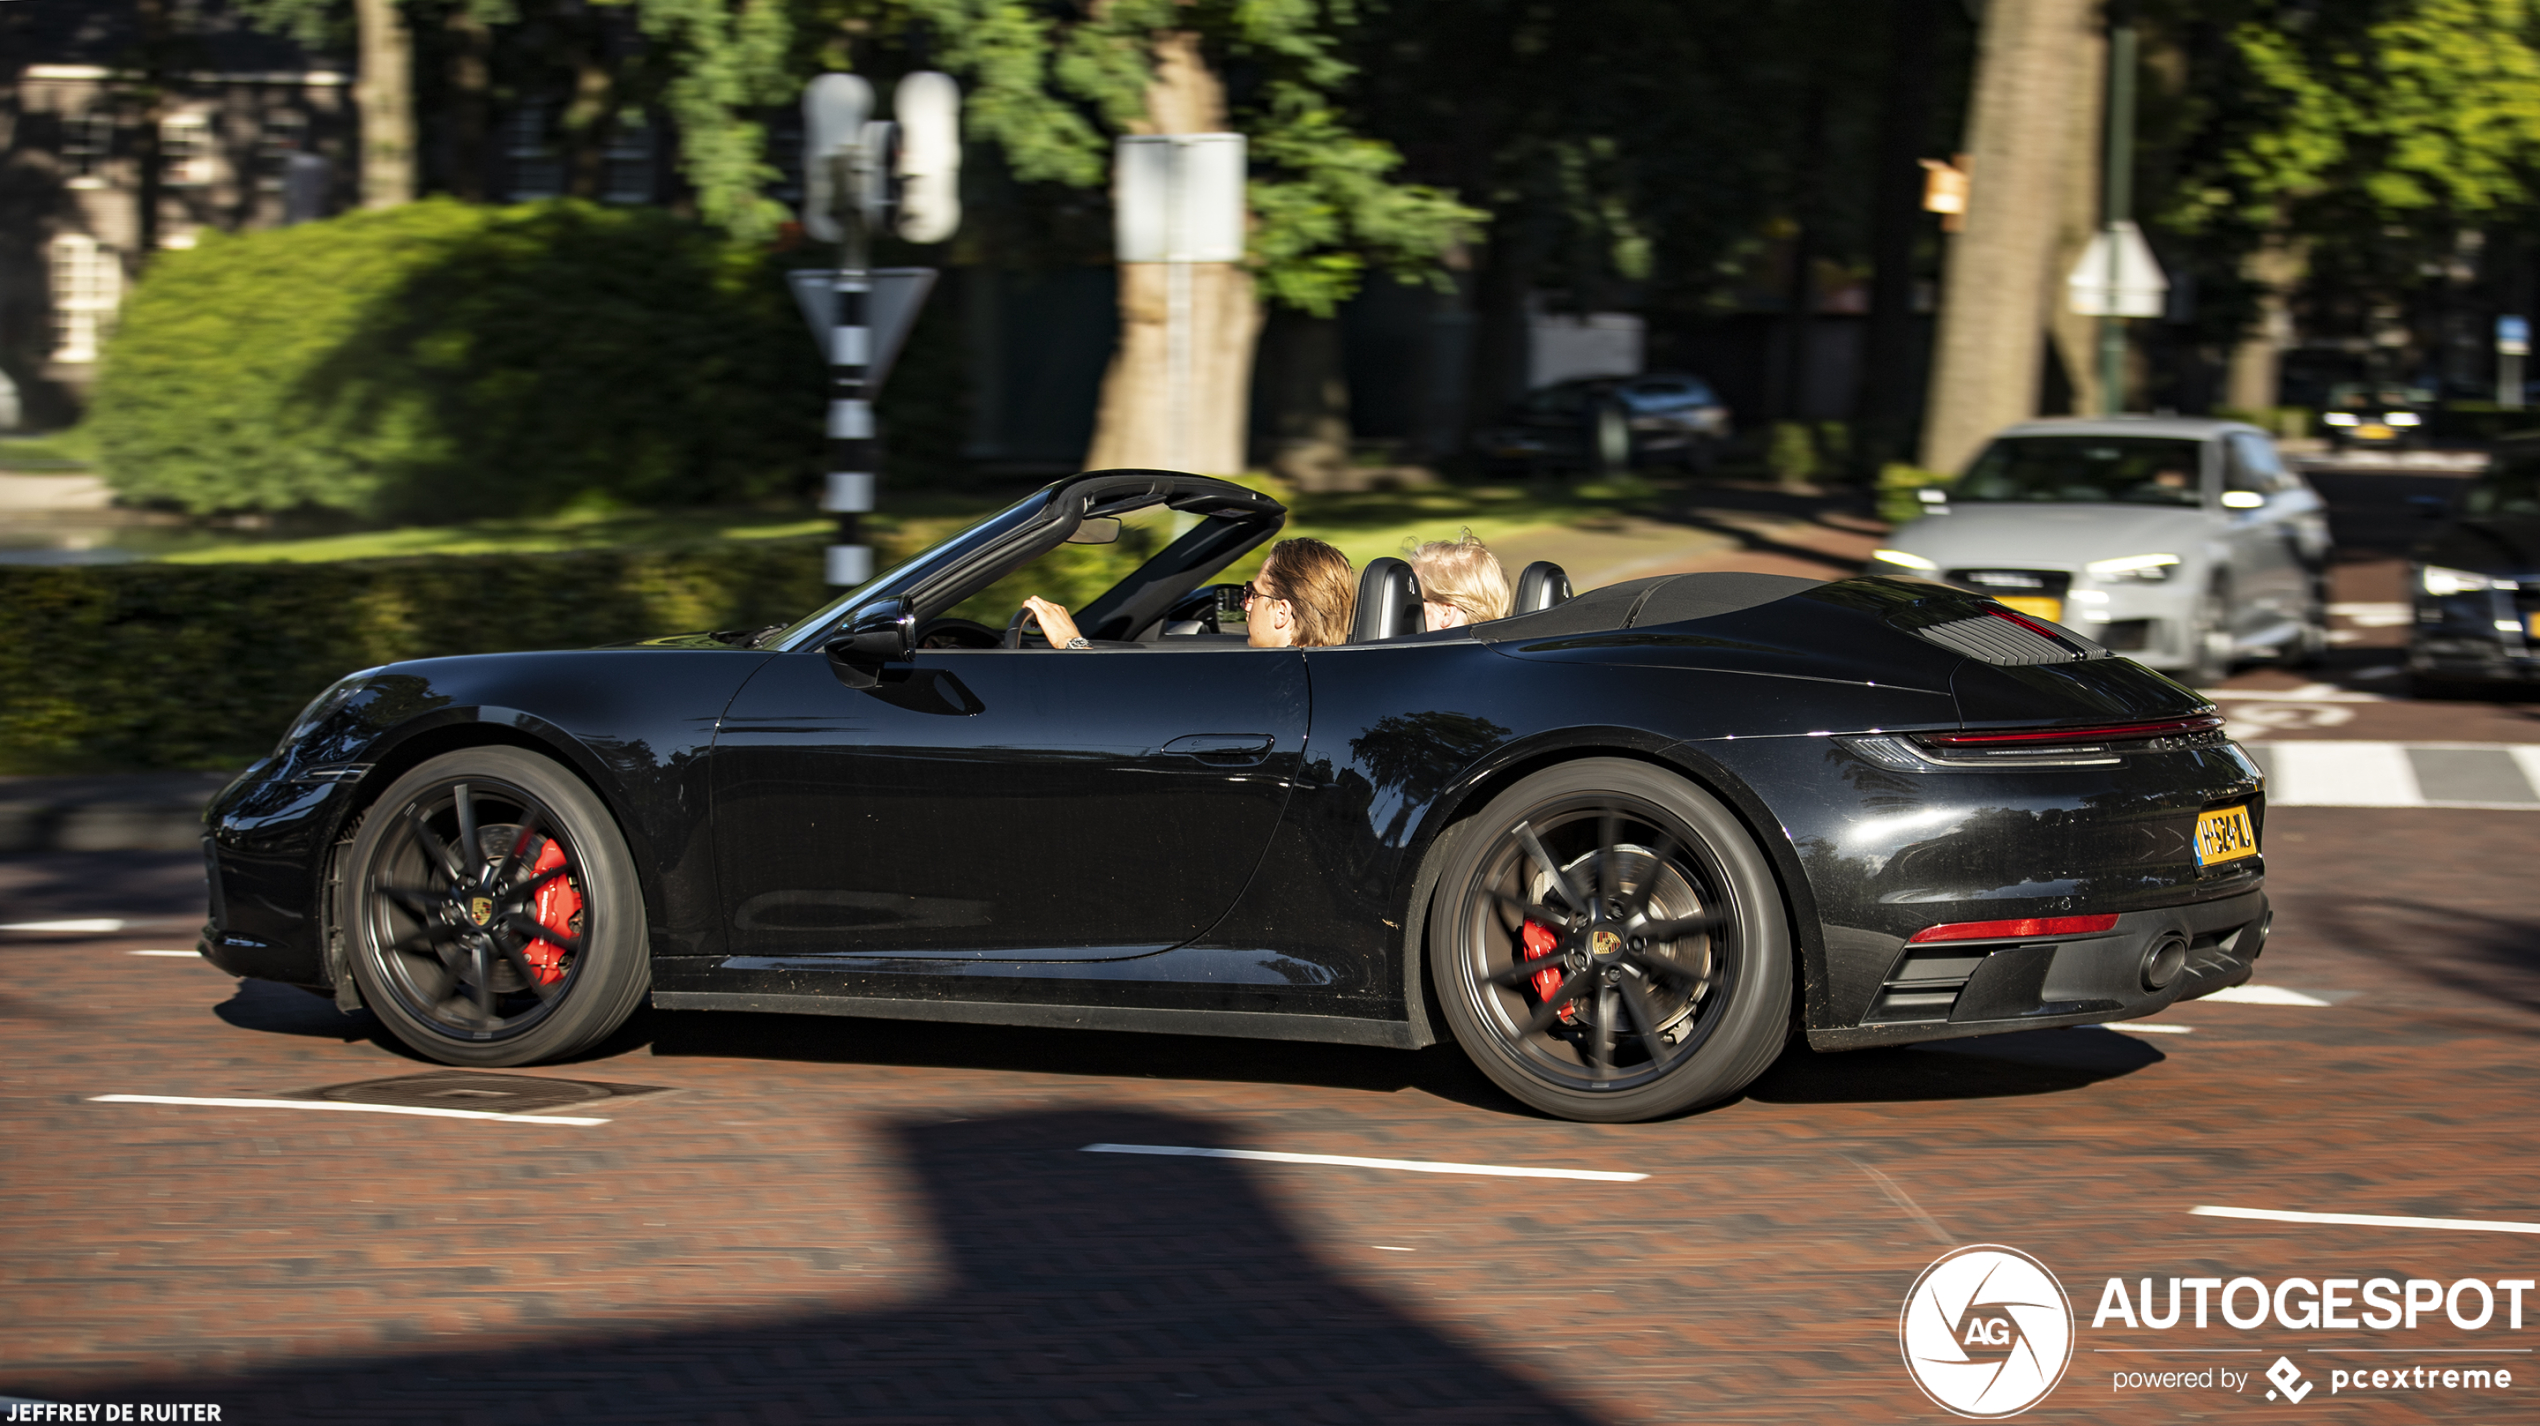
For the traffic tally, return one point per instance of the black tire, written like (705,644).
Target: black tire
(2209,658)
(2310,648)
(447,947)
(1674,977)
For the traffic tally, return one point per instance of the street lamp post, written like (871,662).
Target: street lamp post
(2120,202)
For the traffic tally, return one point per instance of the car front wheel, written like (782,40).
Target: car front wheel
(1609,944)
(490,911)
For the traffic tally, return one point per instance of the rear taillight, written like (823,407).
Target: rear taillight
(2101,733)
(2021,929)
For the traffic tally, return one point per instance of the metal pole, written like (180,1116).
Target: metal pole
(2120,201)
(853,450)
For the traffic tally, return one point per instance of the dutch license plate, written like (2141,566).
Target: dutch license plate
(2374,432)
(2224,835)
(2037,604)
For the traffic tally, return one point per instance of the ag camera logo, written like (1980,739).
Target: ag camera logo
(1986,1332)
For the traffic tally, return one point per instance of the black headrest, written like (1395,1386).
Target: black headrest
(1388,602)
(1542,585)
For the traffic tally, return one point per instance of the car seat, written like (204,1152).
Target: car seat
(1542,585)
(1388,602)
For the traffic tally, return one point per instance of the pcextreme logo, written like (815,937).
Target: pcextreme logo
(1986,1332)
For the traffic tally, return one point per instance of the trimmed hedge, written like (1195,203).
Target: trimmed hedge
(439,362)
(112,667)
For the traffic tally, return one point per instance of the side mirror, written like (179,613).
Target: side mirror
(2242,500)
(878,634)
(1101,530)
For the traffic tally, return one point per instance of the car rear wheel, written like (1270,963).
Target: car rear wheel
(2209,641)
(1609,944)
(490,911)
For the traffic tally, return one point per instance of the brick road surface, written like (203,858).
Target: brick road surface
(839,1219)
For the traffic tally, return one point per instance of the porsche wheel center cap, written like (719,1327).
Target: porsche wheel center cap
(1604,945)
(480,909)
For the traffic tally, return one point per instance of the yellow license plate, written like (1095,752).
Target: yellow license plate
(2037,604)
(2224,835)
(2374,432)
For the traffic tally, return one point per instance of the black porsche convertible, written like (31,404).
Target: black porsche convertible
(1622,847)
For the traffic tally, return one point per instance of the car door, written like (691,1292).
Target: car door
(1008,804)
(2270,576)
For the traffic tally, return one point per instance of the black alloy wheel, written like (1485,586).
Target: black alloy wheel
(1609,944)
(490,912)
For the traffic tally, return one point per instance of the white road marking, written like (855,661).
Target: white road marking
(2338,774)
(189,955)
(2527,758)
(2307,693)
(2265,995)
(99,926)
(2366,1220)
(415,1110)
(1350,1161)
(2131,1028)
(1390,1248)
(2375,616)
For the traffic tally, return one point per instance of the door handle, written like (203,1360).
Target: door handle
(1222,747)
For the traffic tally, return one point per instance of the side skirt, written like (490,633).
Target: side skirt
(1241,1024)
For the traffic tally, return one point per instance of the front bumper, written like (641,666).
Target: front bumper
(1958,989)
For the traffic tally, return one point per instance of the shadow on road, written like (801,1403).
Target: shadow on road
(1988,1067)
(1075,1286)
(1440,1070)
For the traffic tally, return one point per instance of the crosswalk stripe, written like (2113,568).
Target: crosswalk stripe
(2325,772)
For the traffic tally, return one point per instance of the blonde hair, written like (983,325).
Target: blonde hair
(1316,580)
(1463,574)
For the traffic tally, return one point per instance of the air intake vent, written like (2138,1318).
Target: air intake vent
(2002,637)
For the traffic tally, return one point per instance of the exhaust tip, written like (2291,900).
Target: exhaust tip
(2164,960)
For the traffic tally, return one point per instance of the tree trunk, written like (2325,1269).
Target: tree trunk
(1999,275)
(1883,405)
(1308,393)
(1787,391)
(1497,373)
(471,83)
(587,122)
(1136,424)
(385,94)
(158,38)
(2257,359)
(2083,198)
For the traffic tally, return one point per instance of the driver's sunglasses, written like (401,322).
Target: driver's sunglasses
(1252,592)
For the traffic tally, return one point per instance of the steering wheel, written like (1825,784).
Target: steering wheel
(1014,626)
(952,633)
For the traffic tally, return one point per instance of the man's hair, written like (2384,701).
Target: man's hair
(1315,579)
(1463,573)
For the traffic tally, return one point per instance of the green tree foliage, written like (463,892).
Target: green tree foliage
(2369,110)
(441,361)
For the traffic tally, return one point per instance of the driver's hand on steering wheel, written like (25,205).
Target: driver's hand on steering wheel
(1055,624)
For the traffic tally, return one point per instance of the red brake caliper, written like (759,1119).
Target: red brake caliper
(559,905)
(1540,943)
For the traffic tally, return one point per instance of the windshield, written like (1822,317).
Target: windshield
(2103,470)
(2511,487)
(891,578)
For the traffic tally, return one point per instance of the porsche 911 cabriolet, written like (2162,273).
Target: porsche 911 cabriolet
(1621,847)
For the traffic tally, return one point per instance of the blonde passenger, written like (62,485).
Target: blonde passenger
(1304,597)
(1460,583)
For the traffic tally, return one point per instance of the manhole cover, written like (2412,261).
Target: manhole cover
(472,1089)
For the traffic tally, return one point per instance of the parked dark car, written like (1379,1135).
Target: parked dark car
(2376,416)
(1619,847)
(1602,424)
(2475,580)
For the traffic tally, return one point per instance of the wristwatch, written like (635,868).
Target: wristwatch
(1078,642)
